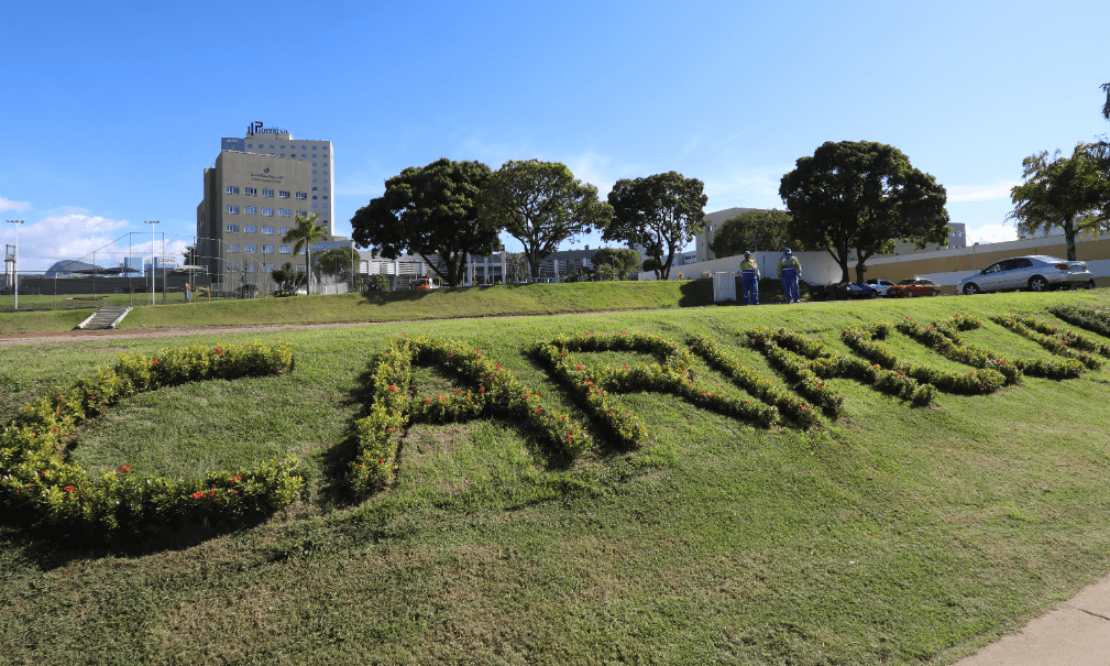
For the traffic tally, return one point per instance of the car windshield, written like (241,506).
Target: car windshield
(906,282)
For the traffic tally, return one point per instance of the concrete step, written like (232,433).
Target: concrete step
(105,318)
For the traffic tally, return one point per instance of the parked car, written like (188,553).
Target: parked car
(426,283)
(879,285)
(862,291)
(914,287)
(1036,272)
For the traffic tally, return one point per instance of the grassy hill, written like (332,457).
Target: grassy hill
(891,534)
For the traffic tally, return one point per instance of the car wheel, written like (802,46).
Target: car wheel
(873,294)
(1090,285)
(970,289)
(1038,283)
(909,293)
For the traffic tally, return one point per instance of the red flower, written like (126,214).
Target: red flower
(389,429)
(125,469)
(198,495)
(69,489)
(236,479)
(154,362)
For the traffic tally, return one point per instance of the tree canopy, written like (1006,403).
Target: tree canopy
(430,210)
(336,261)
(622,261)
(756,230)
(1066,192)
(860,196)
(541,204)
(304,233)
(1106,107)
(660,213)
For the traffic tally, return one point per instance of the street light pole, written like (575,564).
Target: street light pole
(15,263)
(153,275)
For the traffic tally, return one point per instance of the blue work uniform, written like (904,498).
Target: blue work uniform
(750,274)
(790,269)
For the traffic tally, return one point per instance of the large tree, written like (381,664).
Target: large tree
(859,196)
(1064,192)
(541,204)
(427,211)
(305,232)
(660,213)
(337,261)
(620,261)
(756,230)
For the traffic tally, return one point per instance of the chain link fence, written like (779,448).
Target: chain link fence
(133,270)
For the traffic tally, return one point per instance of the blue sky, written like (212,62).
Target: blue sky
(113,110)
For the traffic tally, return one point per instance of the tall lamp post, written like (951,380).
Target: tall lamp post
(153,275)
(15,264)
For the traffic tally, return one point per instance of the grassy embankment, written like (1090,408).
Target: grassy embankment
(391,306)
(892,535)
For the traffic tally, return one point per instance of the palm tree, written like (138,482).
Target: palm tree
(305,234)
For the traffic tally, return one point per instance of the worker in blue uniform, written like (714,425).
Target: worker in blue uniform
(749,272)
(790,269)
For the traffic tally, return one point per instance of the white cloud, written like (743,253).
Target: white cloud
(991,233)
(93,239)
(991,192)
(8,204)
(748,190)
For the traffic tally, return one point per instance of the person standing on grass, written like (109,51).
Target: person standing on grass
(187,292)
(790,269)
(749,271)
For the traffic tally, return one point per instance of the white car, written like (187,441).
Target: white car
(880,285)
(1034,272)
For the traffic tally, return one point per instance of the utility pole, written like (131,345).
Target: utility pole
(15,262)
(153,275)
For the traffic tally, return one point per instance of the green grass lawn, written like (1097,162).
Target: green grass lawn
(895,534)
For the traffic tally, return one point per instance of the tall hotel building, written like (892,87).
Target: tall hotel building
(258,183)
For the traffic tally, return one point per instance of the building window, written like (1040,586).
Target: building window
(233,247)
(250,191)
(269,231)
(314,189)
(232,228)
(300,268)
(267,193)
(314,180)
(283,230)
(234,210)
(268,249)
(315,197)
(284,194)
(250,210)
(283,154)
(314,205)
(302,213)
(313,164)
(302,195)
(285,212)
(250,248)
(233,189)
(314,172)
(250,229)
(268,212)
(285,249)
(269,267)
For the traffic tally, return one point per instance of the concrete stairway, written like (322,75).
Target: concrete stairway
(105,318)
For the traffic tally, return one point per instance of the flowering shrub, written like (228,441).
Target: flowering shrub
(1067,338)
(36,482)
(944,337)
(394,405)
(805,362)
(861,339)
(672,373)
(1090,319)
(789,405)
(1054,344)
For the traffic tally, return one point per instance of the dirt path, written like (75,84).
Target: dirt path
(138,333)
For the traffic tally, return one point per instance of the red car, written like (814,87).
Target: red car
(915,287)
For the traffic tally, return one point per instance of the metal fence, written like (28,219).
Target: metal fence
(135,269)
